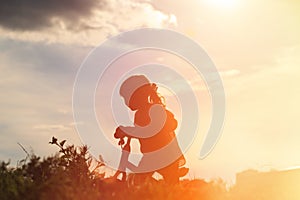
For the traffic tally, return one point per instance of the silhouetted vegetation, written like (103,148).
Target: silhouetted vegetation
(73,174)
(66,175)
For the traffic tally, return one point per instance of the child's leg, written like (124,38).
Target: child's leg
(173,172)
(170,173)
(140,178)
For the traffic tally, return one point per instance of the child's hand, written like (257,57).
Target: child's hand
(119,133)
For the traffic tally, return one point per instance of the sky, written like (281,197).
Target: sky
(255,46)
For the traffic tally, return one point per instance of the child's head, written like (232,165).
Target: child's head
(138,92)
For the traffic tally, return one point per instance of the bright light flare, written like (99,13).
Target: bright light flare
(222,3)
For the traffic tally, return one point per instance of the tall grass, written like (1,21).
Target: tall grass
(72,174)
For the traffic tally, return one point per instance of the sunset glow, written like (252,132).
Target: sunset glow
(222,4)
(254,45)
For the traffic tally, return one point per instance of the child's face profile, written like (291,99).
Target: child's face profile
(127,103)
(136,90)
(138,99)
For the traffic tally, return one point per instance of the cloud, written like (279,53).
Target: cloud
(52,127)
(36,81)
(75,21)
(36,14)
(230,73)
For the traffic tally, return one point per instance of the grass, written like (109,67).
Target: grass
(73,174)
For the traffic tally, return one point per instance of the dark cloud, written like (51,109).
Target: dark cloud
(39,14)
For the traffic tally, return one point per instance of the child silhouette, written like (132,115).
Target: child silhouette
(154,125)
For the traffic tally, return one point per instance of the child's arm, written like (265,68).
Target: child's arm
(158,117)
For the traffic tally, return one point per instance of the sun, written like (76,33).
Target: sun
(222,3)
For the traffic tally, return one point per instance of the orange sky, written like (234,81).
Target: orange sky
(258,40)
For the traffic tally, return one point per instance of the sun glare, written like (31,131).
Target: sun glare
(222,3)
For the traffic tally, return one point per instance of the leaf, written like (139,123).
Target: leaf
(101,159)
(54,140)
(89,162)
(62,143)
